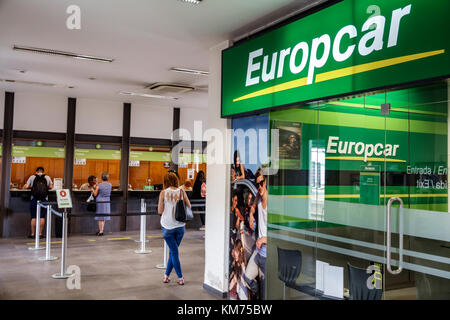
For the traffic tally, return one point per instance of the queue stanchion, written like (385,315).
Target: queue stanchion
(63,274)
(48,238)
(163,265)
(143,250)
(38,227)
(143,210)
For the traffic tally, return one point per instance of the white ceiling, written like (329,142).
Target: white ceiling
(145,37)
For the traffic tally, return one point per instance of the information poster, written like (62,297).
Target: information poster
(248,216)
(289,148)
(369,181)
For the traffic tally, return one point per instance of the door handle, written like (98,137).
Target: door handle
(388,237)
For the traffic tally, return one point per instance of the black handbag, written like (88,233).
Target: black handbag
(92,206)
(180,210)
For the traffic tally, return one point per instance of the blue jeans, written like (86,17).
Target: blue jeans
(173,239)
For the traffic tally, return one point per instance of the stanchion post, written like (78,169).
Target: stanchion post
(63,274)
(143,250)
(38,227)
(143,209)
(164,265)
(48,237)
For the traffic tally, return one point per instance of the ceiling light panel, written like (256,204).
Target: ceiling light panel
(146,95)
(61,53)
(192,1)
(189,71)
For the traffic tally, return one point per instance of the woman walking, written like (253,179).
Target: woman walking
(172,230)
(103,193)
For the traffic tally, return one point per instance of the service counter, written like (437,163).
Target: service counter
(18,219)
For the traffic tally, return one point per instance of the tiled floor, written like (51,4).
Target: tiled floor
(110,269)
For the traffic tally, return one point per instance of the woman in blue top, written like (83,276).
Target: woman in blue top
(103,193)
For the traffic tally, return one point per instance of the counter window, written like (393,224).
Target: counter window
(27,155)
(149,164)
(91,160)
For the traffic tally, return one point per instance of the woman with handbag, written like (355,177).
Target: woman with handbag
(102,194)
(172,230)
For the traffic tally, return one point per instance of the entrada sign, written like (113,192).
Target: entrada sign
(337,51)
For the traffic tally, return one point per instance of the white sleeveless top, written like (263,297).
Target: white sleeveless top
(168,216)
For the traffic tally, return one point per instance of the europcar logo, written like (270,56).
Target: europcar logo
(365,151)
(259,69)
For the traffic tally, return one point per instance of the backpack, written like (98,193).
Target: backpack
(39,190)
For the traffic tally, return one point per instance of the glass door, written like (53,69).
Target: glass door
(351,237)
(416,194)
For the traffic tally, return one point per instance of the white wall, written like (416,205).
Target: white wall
(2,108)
(99,117)
(218,177)
(37,112)
(151,121)
(187,118)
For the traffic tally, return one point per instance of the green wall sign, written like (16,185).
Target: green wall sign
(97,154)
(352,46)
(47,152)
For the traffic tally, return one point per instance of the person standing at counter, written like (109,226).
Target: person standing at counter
(103,193)
(39,184)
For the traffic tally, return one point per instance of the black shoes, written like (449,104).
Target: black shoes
(33,236)
(99,233)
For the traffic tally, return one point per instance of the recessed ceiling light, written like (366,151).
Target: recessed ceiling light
(146,95)
(189,71)
(61,53)
(192,1)
(45,84)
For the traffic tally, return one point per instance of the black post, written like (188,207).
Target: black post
(125,156)
(176,138)
(6,161)
(70,143)
(69,158)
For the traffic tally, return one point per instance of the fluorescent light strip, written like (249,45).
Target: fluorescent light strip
(147,95)
(190,71)
(37,83)
(192,1)
(61,53)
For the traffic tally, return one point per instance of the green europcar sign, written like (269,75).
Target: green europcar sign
(351,46)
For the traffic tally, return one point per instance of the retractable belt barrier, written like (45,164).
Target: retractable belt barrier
(143,213)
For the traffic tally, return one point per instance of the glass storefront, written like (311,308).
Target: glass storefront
(344,165)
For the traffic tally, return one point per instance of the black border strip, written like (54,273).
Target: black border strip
(150,141)
(33,135)
(80,138)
